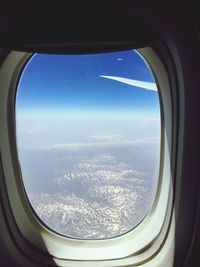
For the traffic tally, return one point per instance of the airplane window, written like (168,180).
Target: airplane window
(88,132)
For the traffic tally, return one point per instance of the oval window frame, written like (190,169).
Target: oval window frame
(136,246)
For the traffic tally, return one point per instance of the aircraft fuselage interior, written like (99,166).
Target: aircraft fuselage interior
(100,133)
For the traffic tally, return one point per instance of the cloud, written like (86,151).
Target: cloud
(104,137)
(141,84)
(94,145)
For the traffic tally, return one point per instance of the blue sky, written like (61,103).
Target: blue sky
(86,84)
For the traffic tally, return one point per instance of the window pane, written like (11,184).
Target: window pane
(88,139)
